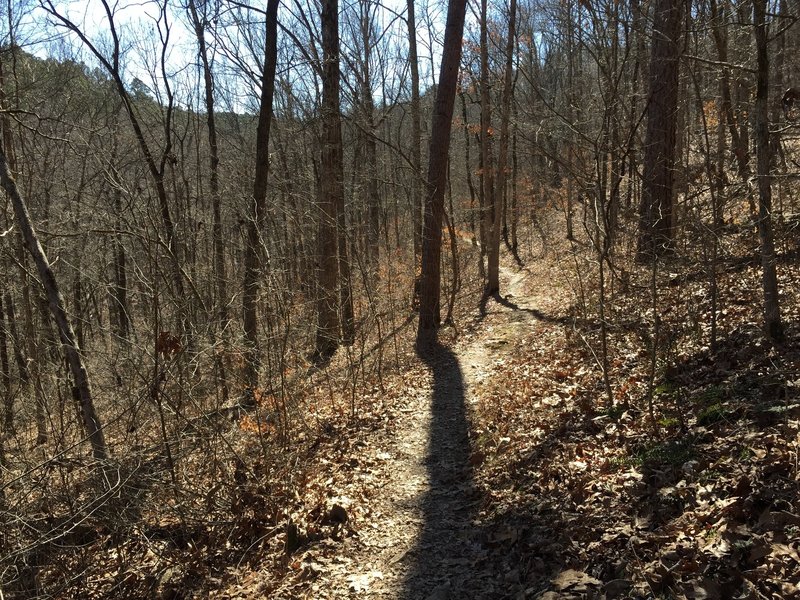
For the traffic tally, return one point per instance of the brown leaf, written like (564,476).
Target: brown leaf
(338,514)
(476,458)
(575,581)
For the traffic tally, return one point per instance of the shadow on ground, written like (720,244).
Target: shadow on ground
(510,304)
(449,545)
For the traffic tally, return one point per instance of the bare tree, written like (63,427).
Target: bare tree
(199,21)
(416,140)
(333,265)
(255,225)
(430,289)
(655,214)
(156,163)
(490,204)
(502,159)
(720,34)
(772,314)
(82,391)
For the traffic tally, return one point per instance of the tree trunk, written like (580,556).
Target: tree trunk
(373,200)
(220,283)
(253,260)
(468,165)
(331,190)
(514,210)
(720,36)
(82,390)
(32,367)
(416,140)
(772,315)
(505,118)
(16,342)
(345,284)
(119,291)
(373,196)
(430,289)
(491,209)
(655,214)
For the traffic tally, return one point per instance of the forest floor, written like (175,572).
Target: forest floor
(514,461)
(422,535)
(495,468)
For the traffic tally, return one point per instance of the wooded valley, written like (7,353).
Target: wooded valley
(384,299)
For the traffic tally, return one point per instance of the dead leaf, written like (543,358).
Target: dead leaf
(338,514)
(575,581)
(360,583)
(476,458)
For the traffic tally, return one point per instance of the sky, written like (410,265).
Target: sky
(140,31)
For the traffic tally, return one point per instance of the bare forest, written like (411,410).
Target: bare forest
(388,299)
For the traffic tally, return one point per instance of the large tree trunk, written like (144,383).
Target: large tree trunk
(430,289)
(331,190)
(253,260)
(82,390)
(772,314)
(655,214)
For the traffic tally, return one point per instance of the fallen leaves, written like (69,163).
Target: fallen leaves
(704,508)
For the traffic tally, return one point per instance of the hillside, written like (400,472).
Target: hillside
(415,301)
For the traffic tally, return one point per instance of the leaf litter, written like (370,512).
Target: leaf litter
(498,469)
(564,496)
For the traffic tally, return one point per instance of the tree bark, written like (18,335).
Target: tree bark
(772,315)
(430,289)
(416,140)
(253,260)
(491,209)
(655,214)
(331,191)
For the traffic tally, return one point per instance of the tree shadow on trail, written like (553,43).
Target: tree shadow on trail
(449,542)
(536,314)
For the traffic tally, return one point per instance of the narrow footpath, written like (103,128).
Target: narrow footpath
(423,539)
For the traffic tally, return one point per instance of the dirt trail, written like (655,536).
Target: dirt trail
(423,540)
